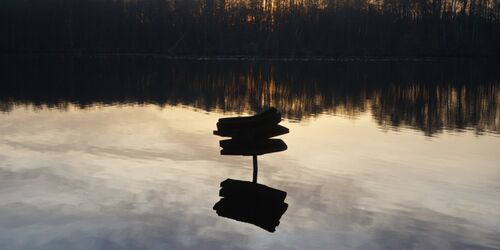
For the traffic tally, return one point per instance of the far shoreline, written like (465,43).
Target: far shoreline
(258,58)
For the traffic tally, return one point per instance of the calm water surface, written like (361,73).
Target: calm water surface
(108,154)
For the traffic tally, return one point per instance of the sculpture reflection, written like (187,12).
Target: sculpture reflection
(251,202)
(247,201)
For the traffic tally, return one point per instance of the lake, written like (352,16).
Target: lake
(119,153)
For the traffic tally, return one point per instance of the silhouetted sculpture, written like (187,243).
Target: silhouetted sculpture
(252,203)
(249,201)
(250,135)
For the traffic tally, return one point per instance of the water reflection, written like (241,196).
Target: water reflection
(251,202)
(428,96)
(433,108)
(141,177)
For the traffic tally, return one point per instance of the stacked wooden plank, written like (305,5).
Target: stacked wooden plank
(251,135)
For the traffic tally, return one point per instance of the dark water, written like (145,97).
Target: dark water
(118,153)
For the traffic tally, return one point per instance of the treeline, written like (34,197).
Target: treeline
(267,28)
(429,97)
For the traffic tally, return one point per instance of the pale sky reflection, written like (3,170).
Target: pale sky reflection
(144,177)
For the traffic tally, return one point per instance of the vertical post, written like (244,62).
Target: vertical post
(254,157)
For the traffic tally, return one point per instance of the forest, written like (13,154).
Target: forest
(253,28)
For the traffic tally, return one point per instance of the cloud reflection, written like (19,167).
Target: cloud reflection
(95,186)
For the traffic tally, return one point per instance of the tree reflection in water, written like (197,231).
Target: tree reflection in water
(428,96)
